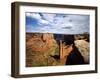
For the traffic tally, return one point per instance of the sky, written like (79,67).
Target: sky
(57,23)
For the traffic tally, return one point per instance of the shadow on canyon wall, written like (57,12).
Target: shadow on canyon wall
(46,49)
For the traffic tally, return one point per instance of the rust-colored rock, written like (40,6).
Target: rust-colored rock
(38,48)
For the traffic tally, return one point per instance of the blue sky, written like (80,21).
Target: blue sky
(57,23)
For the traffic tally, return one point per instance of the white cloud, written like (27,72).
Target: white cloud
(60,23)
(33,15)
(49,17)
(37,17)
(43,22)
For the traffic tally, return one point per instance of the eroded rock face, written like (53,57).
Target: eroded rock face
(44,49)
(83,47)
(39,47)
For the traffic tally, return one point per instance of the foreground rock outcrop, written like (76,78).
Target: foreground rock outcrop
(39,49)
(83,47)
(43,49)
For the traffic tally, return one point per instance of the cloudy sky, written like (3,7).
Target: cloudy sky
(57,23)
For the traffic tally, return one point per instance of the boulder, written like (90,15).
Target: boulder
(83,47)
